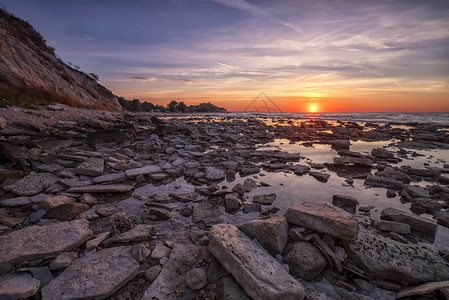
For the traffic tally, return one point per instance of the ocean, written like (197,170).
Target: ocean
(440,118)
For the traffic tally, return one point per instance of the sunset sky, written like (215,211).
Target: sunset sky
(334,55)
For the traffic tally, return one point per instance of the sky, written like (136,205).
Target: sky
(338,56)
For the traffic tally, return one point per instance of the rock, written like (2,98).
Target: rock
(264,199)
(396,175)
(196,279)
(231,203)
(390,260)
(421,172)
(96,241)
(9,152)
(140,252)
(416,223)
(341,144)
(93,166)
(348,203)
(249,185)
(391,193)
(357,161)
(322,218)
(143,171)
(260,275)
(3,123)
(18,286)
(67,211)
(36,216)
(105,188)
(62,261)
(422,289)
(245,171)
(208,216)
(96,276)
(32,184)
(42,274)
(321,177)
(115,177)
(377,181)
(158,176)
(37,242)
(212,173)
(442,218)
(252,207)
(397,227)
(299,169)
(173,274)
(137,234)
(422,205)
(15,202)
(416,191)
(53,202)
(381,152)
(152,273)
(304,260)
(160,251)
(271,233)
(88,199)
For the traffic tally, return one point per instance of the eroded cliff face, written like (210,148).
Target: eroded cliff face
(28,65)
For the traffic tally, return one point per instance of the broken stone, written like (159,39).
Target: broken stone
(37,242)
(391,260)
(304,260)
(321,177)
(115,177)
(42,274)
(397,227)
(264,199)
(67,211)
(348,203)
(416,223)
(271,233)
(32,184)
(396,174)
(322,218)
(137,234)
(143,171)
(96,276)
(18,286)
(377,181)
(106,188)
(260,275)
(62,261)
(422,289)
(93,166)
(53,202)
(152,273)
(196,279)
(160,251)
(416,191)
(213,173)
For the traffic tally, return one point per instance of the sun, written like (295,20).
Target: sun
(313,108)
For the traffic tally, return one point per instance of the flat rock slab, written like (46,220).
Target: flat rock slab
(137,234)
(37,242)
(93,166)
(390,260)
(183,258)
(102,188)
(257,272)
(115,177)
(96,276)
(417,223)
(32,184)
(143,171)
(272,233)
(422,289)
(323,218)
(18,286)
(377,181)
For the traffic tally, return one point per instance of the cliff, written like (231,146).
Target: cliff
(30,69)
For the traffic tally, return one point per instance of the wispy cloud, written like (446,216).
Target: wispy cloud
(257,11)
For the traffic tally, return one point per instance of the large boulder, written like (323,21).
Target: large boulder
(390,260)
(272,233)
(416,223)
(96,276)
(377,181)
(32,184)
(304,260)
(348,203)
(396,175)
(260,275)
(323,218)
(37,242)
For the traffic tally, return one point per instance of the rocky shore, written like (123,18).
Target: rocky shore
(116,205)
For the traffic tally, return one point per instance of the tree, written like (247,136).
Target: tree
(135,105)
(94,76)
(172,105)
(182,107)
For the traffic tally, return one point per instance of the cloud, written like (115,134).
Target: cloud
(257,11)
